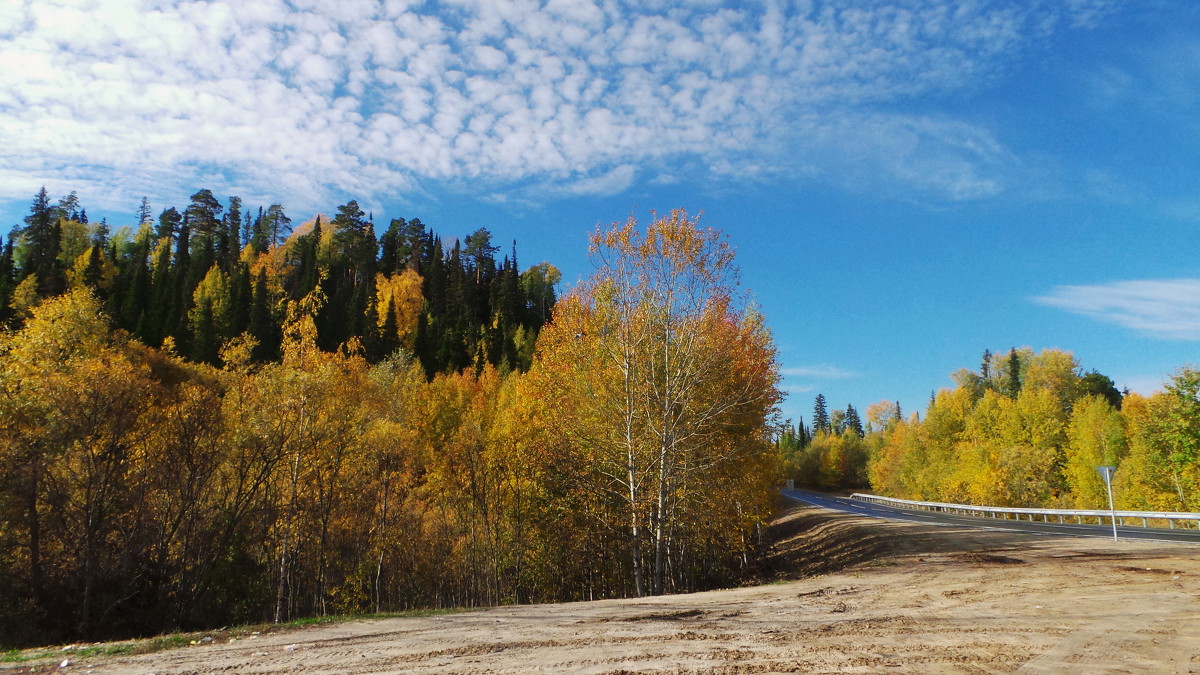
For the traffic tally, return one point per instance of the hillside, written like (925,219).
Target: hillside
(866,596)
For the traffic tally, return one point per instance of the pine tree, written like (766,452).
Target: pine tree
(274,229)
(169,222)
(203,219)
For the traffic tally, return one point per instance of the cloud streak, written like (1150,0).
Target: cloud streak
(1167,309)
(563,98)
(823,371)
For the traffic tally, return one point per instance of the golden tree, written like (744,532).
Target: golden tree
(660,376)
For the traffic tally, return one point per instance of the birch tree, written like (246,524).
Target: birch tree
(661,373)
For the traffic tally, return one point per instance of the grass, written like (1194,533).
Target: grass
(176,640)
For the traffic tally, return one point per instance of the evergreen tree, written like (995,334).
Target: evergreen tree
(206,341)
(1096,384)
(68,207)
(262,325)
(389,247)
(162,287)
(821,416)
(275,227)
(169,222)
(389,337)
(251,227)
(143,213)
(7,280)
(94,271)
(1012,383)
(182,285)
(43,235)
(853,422)
(203,219)
(136,300)
(100,236)
(228,236)
(308,270)
(240,300)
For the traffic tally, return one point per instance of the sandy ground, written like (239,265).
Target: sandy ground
(905,598)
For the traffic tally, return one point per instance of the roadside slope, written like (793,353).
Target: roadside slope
(909,597)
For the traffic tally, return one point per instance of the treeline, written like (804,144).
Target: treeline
(1029,430)
(194,279)
(142,492)
(832,453)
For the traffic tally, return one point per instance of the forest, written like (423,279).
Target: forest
(210,419)
(1026,429)
(191,280)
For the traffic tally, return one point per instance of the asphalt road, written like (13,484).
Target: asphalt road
(854,506)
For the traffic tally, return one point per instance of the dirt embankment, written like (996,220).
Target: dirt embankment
(846,595)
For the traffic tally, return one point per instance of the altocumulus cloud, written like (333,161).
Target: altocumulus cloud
(554,97)
(1164,308)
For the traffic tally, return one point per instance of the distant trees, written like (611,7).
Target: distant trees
(1031,433)
(1027,429)
(200,278)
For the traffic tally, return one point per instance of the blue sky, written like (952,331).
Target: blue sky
(907,182)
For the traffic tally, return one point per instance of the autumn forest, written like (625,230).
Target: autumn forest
(213,417)
(1025,429)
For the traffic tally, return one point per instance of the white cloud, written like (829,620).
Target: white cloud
(822,371)
(1167,309)
(574,97)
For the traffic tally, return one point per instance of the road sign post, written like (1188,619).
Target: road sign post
(1107,472)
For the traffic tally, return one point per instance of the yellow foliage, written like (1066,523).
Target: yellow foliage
(402,293)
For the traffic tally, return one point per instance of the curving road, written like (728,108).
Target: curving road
(854,506)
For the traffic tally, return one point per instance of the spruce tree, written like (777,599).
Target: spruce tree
(206,343)
(853,422)
(43,234)
(240,300)
(389,338)
(262,325)
(1013,380)
(821,416)
(144,213)
(7,280)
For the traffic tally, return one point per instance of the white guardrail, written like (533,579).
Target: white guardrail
(1173,519)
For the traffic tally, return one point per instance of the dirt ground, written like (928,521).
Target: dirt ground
(844,595)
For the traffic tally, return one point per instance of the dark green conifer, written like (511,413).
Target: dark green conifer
(821,416)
